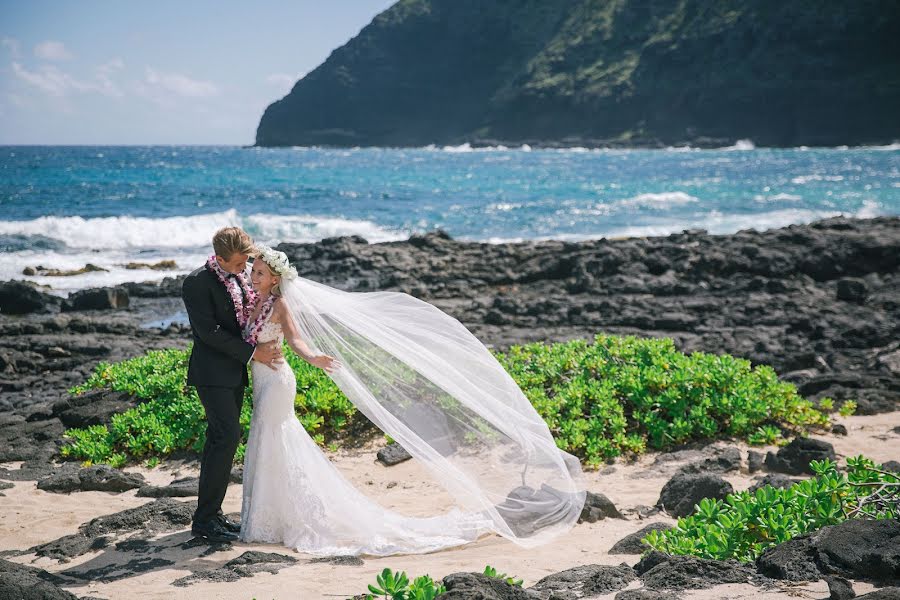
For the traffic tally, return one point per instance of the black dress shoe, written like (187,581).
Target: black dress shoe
(228,525)
(213,531)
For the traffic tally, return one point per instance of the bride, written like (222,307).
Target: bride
(424,379)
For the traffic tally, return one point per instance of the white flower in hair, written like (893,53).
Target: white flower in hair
(277,261)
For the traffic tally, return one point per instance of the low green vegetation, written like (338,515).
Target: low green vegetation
(600,399)
(623,394)
(744,524)
(396,586)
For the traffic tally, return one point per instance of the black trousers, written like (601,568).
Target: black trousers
(223,434)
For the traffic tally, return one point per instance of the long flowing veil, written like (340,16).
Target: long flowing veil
(429,383)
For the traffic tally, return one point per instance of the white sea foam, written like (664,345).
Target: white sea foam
(894,146)
(660,200)
(191,232)
(714,222)
(740,145)
(804,179)
(778,198)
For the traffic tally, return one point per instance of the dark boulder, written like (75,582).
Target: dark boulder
(840,588)
(632,544)
(180,488)
(21,297)
(21,582)
(852,289)
(683,491)
(92,408)
(585,580)
(97,299)
(662,571)
(793,560)
(860,549)
(755,461)
(597,507)
(794,458)
(393,454)
(97,478)
(476,586)
(719,460)
(855,549)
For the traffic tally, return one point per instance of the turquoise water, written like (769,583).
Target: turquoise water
(64,206)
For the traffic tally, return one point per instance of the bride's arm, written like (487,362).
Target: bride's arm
(291,335)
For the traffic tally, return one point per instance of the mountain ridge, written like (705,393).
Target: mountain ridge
(604,73)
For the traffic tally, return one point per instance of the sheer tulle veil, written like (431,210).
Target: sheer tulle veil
(429,383)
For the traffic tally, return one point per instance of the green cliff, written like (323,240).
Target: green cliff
(604,72)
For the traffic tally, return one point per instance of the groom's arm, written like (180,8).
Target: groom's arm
(200,312)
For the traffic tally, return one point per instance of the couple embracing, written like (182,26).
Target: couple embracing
(413,370)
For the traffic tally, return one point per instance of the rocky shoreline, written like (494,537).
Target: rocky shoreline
(818,302)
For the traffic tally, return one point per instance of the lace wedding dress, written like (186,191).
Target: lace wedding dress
(293,495)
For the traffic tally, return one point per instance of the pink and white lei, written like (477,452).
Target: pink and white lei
(242,310)
(251,331)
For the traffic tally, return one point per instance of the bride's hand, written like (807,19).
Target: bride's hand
(323,361)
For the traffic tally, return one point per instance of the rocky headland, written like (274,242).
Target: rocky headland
(633,73)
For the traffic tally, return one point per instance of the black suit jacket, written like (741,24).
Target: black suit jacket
(220,355)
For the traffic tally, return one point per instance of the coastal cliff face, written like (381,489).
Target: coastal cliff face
(604,72)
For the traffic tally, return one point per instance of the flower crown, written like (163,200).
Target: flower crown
(277,261)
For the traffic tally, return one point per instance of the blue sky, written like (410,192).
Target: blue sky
(162,72)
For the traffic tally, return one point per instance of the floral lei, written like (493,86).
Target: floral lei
(242,309)
(252,329)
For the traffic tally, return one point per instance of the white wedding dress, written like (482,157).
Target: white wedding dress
(293,495)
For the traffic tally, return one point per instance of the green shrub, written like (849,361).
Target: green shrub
(744,524)
(621,394)
(392,585)
(615,395)
(172,418)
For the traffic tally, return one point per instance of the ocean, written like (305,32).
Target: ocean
(65,206)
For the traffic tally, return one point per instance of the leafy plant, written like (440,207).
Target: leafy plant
(602,399)
(492,572)
(172,418)
(396,586)
(744,524)
(624,394)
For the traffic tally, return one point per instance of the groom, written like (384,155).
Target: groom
(218,298)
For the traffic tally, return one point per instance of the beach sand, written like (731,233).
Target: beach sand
(31,516)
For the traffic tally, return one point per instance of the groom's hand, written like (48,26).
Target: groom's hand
(268,353)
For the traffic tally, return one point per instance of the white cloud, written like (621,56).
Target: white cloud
(12,45)
(180,85)
(52,50)
(104,74)
(56,82)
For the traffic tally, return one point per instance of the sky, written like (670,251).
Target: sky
(163,72)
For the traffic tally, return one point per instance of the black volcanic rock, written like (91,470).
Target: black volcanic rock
(96,478)
(794,458)
(598,507)
(575,72)
(683,491)
(97,299)
(22,297)
(856,549)
(632,544)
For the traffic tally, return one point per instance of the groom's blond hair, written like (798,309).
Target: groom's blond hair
(229,241)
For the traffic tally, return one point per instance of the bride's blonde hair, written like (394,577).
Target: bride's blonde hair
(276,289)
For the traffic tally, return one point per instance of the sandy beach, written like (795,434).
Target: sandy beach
(32,517)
